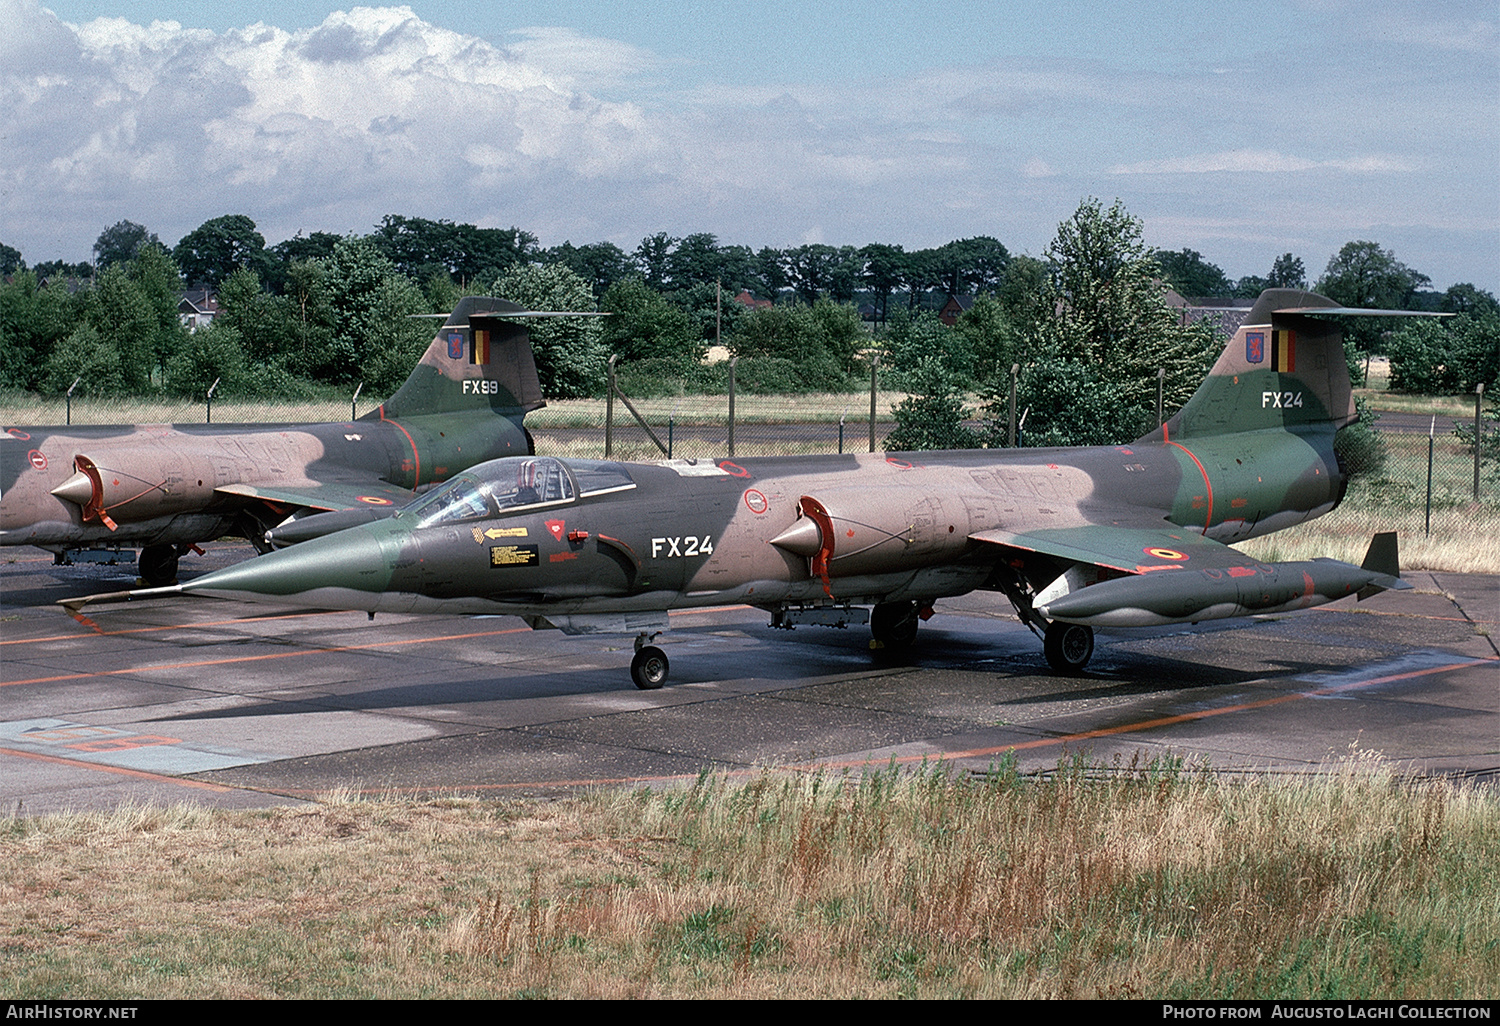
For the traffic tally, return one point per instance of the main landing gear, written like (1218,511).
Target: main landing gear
(158,564)
(650,666)
(1069,646)
(893,625)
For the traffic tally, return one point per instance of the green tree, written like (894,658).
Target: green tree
(212,353)
(10,260)
(913,342)
(1465,298)
(91,358)
(1065,402)
(988,340)
(771,277)
(819,343)
(644,325)
(1446,357)
(160,286)
(601,264)
(966,266)
(124,318)
(885,266)
(121,242)
(653,259)
(1364,275)
(317,246)
(1287,272)
(420,247)
(211,252)
(933,415)
(570,358)
(1187,272)
(33,321)
(1103,308)
(369,304)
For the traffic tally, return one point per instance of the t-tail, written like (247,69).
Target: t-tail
(1256,440)
(480,359)
(1282,369)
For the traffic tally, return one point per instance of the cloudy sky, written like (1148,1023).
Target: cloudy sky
(1239,130)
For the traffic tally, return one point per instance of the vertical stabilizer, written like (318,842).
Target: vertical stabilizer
(479,359)
(1282,369)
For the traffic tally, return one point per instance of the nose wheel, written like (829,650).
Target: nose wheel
(650,666)
(1069,646)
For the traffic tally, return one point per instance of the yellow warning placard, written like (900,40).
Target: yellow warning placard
(513,555)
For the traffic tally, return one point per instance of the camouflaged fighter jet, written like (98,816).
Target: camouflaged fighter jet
(1117,536)
(166,487)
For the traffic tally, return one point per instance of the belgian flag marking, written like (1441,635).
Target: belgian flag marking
(1284,351)
(479,351)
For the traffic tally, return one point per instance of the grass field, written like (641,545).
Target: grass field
(1149,881)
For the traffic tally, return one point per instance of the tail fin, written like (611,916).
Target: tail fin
(1280,370)
(1382,558)
(478,359)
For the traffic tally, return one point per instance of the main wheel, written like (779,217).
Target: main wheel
(649,668)
(1069,646)
(894,624)
(158,565)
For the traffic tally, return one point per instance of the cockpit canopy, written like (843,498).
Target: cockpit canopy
(514,484)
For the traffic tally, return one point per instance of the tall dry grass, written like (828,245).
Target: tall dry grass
(1151,881)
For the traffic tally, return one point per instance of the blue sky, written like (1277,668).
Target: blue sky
(1242,131)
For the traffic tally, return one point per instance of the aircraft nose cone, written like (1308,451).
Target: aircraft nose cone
(357,560)
(77,489)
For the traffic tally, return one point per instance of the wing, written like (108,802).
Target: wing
(330,495)
(1123,547)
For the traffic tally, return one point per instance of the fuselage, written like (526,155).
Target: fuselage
(155,484)
(612,538)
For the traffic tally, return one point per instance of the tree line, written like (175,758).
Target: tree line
(1085,320)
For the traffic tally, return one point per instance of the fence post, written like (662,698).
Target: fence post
(208,413)
(1161,377)
(732,361)
(354,402)
(671,422)
(841,434)
(1431,440)
(609,409)
(874,366)
(1015,370)
(80,378)
(1479,398)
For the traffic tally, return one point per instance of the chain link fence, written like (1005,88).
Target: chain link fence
(1427,484)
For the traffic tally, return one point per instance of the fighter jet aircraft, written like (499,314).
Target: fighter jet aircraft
(1117,536)
(168,487)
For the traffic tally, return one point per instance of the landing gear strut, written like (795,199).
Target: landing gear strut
(1069,646)
(158,564)
(649,667)
(894,624)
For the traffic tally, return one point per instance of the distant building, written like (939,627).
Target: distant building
(1226,312)
(746,299)
(197,308)
(954,308)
